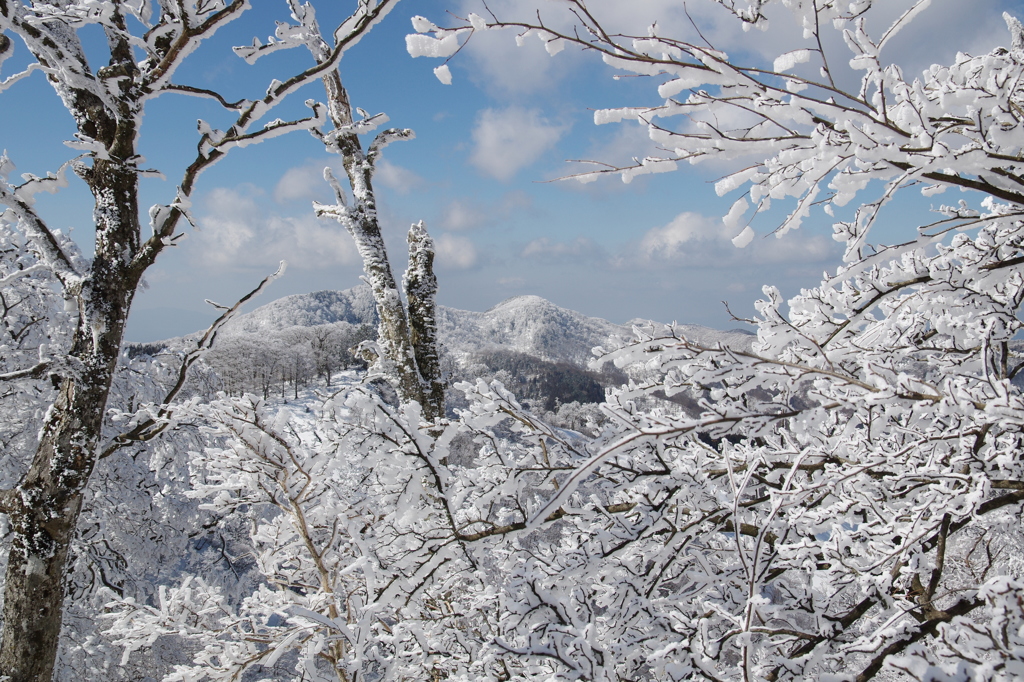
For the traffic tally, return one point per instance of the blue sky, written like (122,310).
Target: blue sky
(478,172)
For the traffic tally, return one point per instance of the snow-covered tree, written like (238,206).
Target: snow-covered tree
(406,348)
(147,42)
(361,571)
(330,344)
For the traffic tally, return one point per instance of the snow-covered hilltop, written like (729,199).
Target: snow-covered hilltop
(354,306)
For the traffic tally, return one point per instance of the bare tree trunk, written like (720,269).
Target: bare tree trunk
(43,516)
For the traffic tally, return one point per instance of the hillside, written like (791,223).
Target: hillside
(537,349)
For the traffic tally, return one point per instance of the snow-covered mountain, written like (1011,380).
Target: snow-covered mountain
(531,325)
(526,324)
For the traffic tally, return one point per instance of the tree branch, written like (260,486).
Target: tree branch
(203,92)
(34,372)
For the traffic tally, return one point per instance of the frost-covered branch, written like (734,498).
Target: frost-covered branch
(822,145)
(35,372)
(209,94)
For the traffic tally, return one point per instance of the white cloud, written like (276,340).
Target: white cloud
(396,177)
(466,214)
(667,241)
(303,183)
(237,232)
(795,248)
(455,251)
(701,241)
(508,140)
(460,215)
(503,68)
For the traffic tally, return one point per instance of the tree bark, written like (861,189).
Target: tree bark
(44,511)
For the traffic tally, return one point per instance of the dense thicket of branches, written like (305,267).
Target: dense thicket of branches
(846,500)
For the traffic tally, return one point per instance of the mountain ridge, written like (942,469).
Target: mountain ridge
(526,324)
